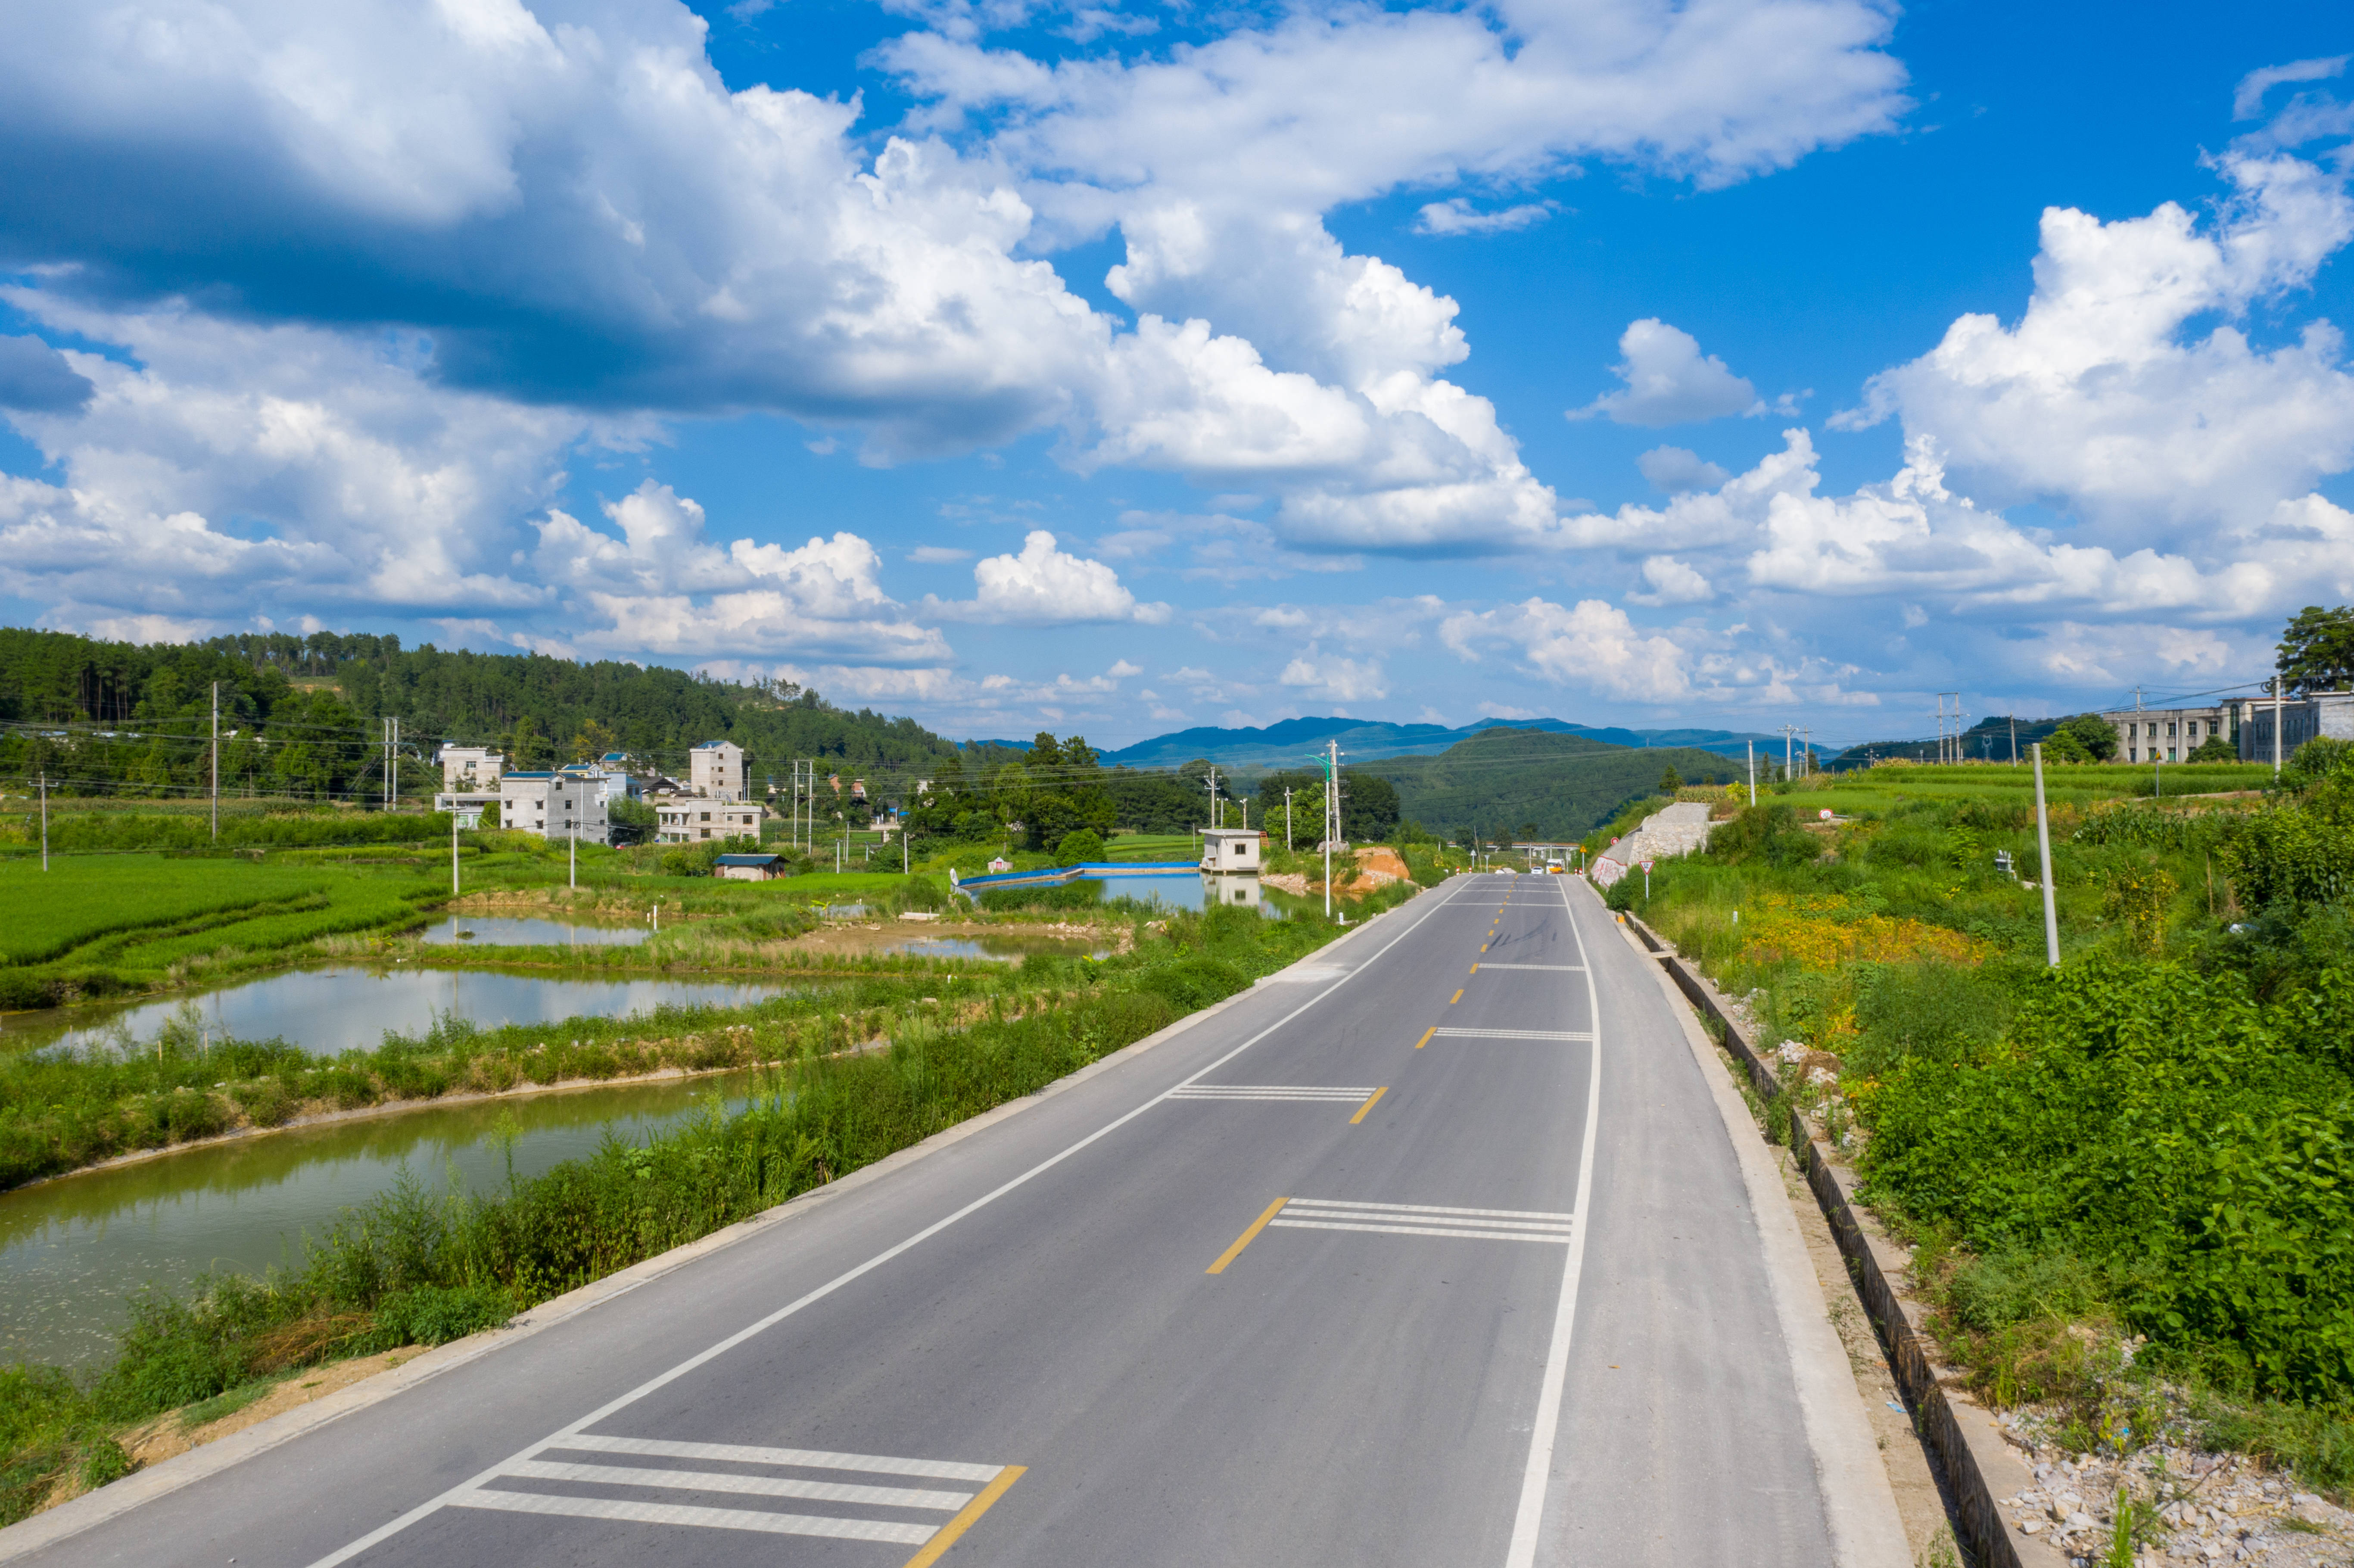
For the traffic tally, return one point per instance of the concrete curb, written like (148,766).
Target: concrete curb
(1978,1464)
(92,1509)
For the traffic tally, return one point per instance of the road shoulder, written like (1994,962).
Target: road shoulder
(1859,1495)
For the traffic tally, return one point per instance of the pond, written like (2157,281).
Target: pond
(508,931)
(72,1250)
(327,1011)
(1195,892)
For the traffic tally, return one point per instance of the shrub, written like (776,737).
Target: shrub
(1191,983)
(2180,1139)
(435,1315)
(1080,847)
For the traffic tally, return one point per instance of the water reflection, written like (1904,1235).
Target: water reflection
(1193,892)
(333,1010)
(506,932)
(72,1250)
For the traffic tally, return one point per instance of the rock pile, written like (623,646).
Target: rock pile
(2189,1506)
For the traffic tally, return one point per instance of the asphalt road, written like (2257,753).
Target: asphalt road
(1218,1304)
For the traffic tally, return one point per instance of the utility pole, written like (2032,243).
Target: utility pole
(44,818)
(2277,730)
(2014,740)
(572,854)
(2043,849)
(453,848)
(1287,820)
(1211,784)
(215,761)
(1753,774)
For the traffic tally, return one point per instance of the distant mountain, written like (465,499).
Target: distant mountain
(1506,781)
(1291,742)
(1988,740)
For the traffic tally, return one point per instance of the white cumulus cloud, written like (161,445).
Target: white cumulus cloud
(2101,400)
(1669,381)
(1045,585)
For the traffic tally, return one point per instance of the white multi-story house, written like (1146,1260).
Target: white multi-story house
(471,769)
(552,805)
(716,769)
(2167,735)
(691,819)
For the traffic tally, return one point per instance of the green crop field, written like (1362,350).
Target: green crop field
(98,924)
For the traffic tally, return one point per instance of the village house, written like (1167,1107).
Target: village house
(552,805)
(691,819)
(2302,720)
(716,770)
(471,768)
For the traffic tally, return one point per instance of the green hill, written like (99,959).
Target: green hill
(304,714)
(1508,782)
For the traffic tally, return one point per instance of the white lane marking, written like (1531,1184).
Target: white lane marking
(1516,1034)
(1530,1516)
(1558,969)
(456,1494)
(799,1458)
(1427,1209)
(710,1517)
(1305,975)
(750,1486)
(1548,1236)
(1270,1092)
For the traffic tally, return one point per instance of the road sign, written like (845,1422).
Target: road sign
(1647,868)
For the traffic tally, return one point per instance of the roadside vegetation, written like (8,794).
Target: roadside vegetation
(2130,1179)
(421,1266)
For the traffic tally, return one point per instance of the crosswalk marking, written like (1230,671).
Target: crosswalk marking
(496,1491)
(1518,1033)
(750,1486)
(1431,1209)
(708,1518)
(1270,1092)
(799,1458)
(1424,1220)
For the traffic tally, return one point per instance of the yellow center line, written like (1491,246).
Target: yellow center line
(1361,1109)
(967,1516)
(1456,998)
(1241,1242)
(1426,1037)
(1484,947)
(1475,969)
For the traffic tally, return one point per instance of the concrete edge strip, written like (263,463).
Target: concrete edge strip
(92,1509)
(1859,1500)
(1978,1464)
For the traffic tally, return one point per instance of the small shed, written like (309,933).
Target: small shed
(1230,849)
(749,867)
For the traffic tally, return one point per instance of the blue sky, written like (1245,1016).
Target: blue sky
(1115,369)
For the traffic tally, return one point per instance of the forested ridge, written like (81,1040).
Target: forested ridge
(300,715)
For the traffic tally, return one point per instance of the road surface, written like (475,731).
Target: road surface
(1434,1250)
